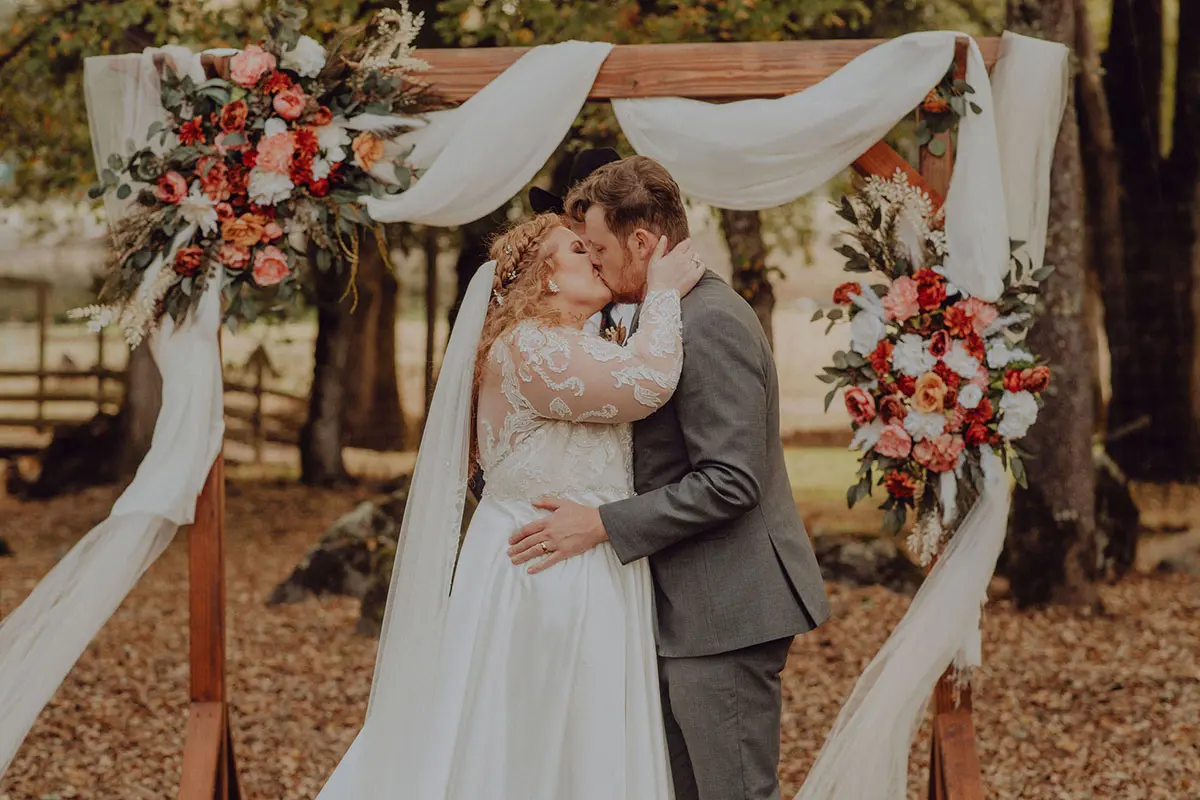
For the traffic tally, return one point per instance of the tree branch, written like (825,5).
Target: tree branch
(28,38)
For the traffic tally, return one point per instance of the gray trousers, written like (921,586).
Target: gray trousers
(722,715)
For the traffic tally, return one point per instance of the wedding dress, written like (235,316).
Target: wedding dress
(546,685)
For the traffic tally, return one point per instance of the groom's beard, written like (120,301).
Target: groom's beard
(631,284)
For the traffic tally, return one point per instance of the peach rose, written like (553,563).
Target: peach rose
(894,442)
(233,257)
(270,266)
(245,231)
(224,211)
(271,232)
(368,149)
(939,454)
(981,312)
(214,178)
(275,153)
(247,67)
(901,301)
(930,393)
(290,103)
(860,405)
(322,117)
(172,188)
(1035,379)
(188,260)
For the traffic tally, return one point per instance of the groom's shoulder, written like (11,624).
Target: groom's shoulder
(714,302)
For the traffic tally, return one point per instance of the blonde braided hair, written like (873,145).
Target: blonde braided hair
(523,270)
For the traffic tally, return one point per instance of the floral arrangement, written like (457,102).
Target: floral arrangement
(933,376)
(255,177)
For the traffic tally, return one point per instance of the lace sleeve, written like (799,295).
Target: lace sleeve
(572,375)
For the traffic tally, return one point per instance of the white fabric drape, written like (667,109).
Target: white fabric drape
(752,154)
(45,635)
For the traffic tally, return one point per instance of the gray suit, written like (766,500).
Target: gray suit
(735,577)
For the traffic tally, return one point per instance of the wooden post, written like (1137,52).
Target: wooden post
(954,768)
(42,310)
(99,371)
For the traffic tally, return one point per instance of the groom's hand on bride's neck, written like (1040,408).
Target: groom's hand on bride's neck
(571,529)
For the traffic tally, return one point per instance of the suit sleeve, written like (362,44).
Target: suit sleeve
(722,406)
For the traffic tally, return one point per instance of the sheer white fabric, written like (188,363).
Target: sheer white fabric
(509,684)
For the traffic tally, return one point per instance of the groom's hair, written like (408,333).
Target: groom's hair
(635,192)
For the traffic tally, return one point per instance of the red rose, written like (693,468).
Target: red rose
(1036,379)
(891,409)
(900,484)
(319,188)
(188,260)
(322,117)
(306,142)
(1012,381)
(250,159)
(931,289)
(172,188)
(191,131)
(975,347)
(939,344)
(278,82)
(881,357)
(860,405)
(233,116)
(301,170)
(907,385)
(982,412)
(842,295)
(976,434)
(958,321)
(952,378)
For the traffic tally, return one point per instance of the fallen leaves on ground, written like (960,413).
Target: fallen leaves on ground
(1069,705)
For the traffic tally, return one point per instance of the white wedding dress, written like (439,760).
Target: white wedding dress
(547,684)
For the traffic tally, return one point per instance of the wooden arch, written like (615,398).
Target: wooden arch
(718,71)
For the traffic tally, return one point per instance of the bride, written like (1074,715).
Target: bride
(511,684)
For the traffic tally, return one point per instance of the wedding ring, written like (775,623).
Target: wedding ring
(545,548)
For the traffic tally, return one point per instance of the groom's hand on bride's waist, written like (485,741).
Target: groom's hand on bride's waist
(570,530)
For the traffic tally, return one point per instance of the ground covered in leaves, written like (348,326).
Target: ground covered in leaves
(1069,705)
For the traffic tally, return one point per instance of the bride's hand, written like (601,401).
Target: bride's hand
(681,269)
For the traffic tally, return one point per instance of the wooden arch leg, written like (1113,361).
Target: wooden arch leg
(209,769)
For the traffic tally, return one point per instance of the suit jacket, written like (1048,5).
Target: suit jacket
(732,563)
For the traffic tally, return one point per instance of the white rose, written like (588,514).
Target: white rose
(332,139)
(320,169)
(268,188)
(999,354)
(912,357)
(199,209)
(924,426)
(273,127)
(307,59)
(962,362)
(866,329)
(970,396)
(1018,410)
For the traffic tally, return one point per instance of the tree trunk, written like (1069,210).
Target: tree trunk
(373,416)
(1151,421)
(748,252)
(323,433)
(475,239)
(1052,546)
(139,410)
(1184,188)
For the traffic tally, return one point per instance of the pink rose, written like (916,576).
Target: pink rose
(271,232)
(901,301)
(270,266)
(982,378)
(290,102)
(939,454)
(275,153)
(172,188)
(247,67)
(233,257)
(894,442)
(982,313)
(860,405)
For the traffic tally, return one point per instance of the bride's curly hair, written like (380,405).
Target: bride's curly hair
(521,285)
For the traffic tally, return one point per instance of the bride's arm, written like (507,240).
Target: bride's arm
(571,375)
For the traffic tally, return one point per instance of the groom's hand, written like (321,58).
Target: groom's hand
(572,529)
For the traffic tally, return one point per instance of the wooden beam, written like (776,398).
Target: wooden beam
(883,161)
(718,70)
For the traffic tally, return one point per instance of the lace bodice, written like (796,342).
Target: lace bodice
(555,404)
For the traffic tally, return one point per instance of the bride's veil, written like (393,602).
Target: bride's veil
(388,751)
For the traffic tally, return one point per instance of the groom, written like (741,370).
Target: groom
(735,577)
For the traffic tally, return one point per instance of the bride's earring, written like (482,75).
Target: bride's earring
(554,287)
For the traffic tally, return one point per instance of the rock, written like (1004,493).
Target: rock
(867,561)
(354,558)
(5,550)
(78,456)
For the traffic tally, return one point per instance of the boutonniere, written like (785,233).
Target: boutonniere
(617,332)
